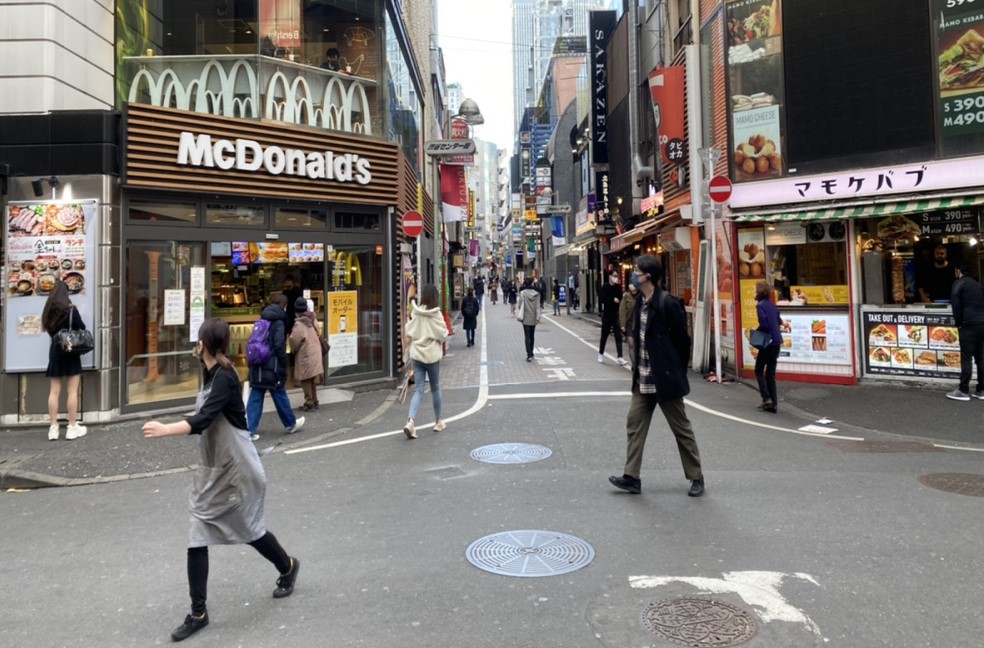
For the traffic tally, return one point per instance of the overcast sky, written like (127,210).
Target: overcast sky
(476,36)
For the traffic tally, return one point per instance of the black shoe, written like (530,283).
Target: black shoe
(190,626)
(285,584)
(696,488)
(626,483)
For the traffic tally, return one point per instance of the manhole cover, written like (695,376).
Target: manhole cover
(529,554)
(699,622)
(959,483)
(510,453)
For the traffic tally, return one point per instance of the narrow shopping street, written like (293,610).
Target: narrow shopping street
(820,540)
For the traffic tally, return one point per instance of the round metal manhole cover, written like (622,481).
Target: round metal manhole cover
(699,622)
(529,554)
(959,483)
(511,453)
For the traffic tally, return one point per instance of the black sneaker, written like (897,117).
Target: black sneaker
(285,584)
(696,488)
(191,625)
(626,483)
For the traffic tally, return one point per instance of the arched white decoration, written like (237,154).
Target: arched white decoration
(230,87)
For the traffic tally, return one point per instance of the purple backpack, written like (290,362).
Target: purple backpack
(258,350)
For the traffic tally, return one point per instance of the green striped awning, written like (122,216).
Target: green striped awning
(864,211)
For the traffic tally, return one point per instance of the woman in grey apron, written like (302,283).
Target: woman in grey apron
(226,501)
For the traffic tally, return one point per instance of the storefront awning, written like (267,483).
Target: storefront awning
(640,231)
(864,211)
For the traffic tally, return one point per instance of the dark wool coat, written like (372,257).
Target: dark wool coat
(667,343)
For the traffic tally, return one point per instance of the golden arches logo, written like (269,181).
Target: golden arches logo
(347,269)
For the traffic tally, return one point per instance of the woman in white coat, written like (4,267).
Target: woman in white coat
(426,332)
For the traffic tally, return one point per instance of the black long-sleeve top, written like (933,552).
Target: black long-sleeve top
(224,397)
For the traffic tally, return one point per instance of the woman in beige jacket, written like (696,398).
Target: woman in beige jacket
(309,362)
(426,332)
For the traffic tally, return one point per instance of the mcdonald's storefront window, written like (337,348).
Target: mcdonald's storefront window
(233,273)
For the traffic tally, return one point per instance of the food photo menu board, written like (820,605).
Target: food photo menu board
(46,241)
(755,86)
(908,343)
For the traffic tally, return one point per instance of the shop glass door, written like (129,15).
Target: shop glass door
(158,337)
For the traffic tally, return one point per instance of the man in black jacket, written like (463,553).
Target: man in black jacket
(967,301)
(609,298)
(272,375)
(659,377)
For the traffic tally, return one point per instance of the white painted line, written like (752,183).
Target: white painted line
(760,589)
(765,426)
(592,345)
(576,394)
(951,447)
(819,429)
(483,397)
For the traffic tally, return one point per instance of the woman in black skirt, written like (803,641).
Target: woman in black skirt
(58,314)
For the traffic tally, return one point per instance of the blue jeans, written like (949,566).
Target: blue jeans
(254,407)
(433,373)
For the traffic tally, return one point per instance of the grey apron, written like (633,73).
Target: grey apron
(226,500)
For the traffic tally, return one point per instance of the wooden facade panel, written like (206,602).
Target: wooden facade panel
(153,136)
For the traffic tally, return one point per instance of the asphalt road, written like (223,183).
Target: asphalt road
(821,540)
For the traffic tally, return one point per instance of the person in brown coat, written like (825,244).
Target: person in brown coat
(625,310)
(309,362)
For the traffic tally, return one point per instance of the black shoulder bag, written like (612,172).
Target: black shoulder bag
(73,341)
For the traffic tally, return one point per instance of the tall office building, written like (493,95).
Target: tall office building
(537,24)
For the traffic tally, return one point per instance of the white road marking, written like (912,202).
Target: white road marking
(952,447)
(760,589)
(592,345)
(484,397)
(560,373)
(480,402)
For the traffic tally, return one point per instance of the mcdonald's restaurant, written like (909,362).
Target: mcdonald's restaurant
(220,214)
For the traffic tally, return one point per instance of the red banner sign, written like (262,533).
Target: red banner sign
(667,87)
(454,193)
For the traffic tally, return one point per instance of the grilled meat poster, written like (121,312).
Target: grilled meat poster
(911,343)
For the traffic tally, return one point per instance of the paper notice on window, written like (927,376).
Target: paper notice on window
(29,325)
(174,307)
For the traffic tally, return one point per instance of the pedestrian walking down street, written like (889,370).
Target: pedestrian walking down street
(541,287)
(479,286)
(768,356)
(229,485)
(529,307)
(625,310)
(494,291)
(309,361)
(513,295)
(659,378)
(59,313)
(556,297)
(967,301)
(469,317)
(271,376)
(426,332)
(608,300)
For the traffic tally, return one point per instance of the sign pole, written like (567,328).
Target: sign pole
(710,156)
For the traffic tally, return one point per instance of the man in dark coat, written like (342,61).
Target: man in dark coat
(609,298)
(967,301)
(659,377)
(272,375)
(479,287)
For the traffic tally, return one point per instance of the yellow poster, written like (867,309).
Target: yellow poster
(820,295)
(343,312)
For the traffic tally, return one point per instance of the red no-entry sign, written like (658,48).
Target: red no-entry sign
(413,224)
(720,189)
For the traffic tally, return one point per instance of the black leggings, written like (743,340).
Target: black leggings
(268,547)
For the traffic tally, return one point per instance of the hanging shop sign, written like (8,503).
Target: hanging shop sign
(906,343)
(601,26)
(959,37)
(755,64)
(667,88)
(46,241)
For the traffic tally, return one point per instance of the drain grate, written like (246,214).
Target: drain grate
(529,554)
(511,453)
(698,622)
(959,483)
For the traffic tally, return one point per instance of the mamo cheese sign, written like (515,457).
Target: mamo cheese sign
(202,150)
